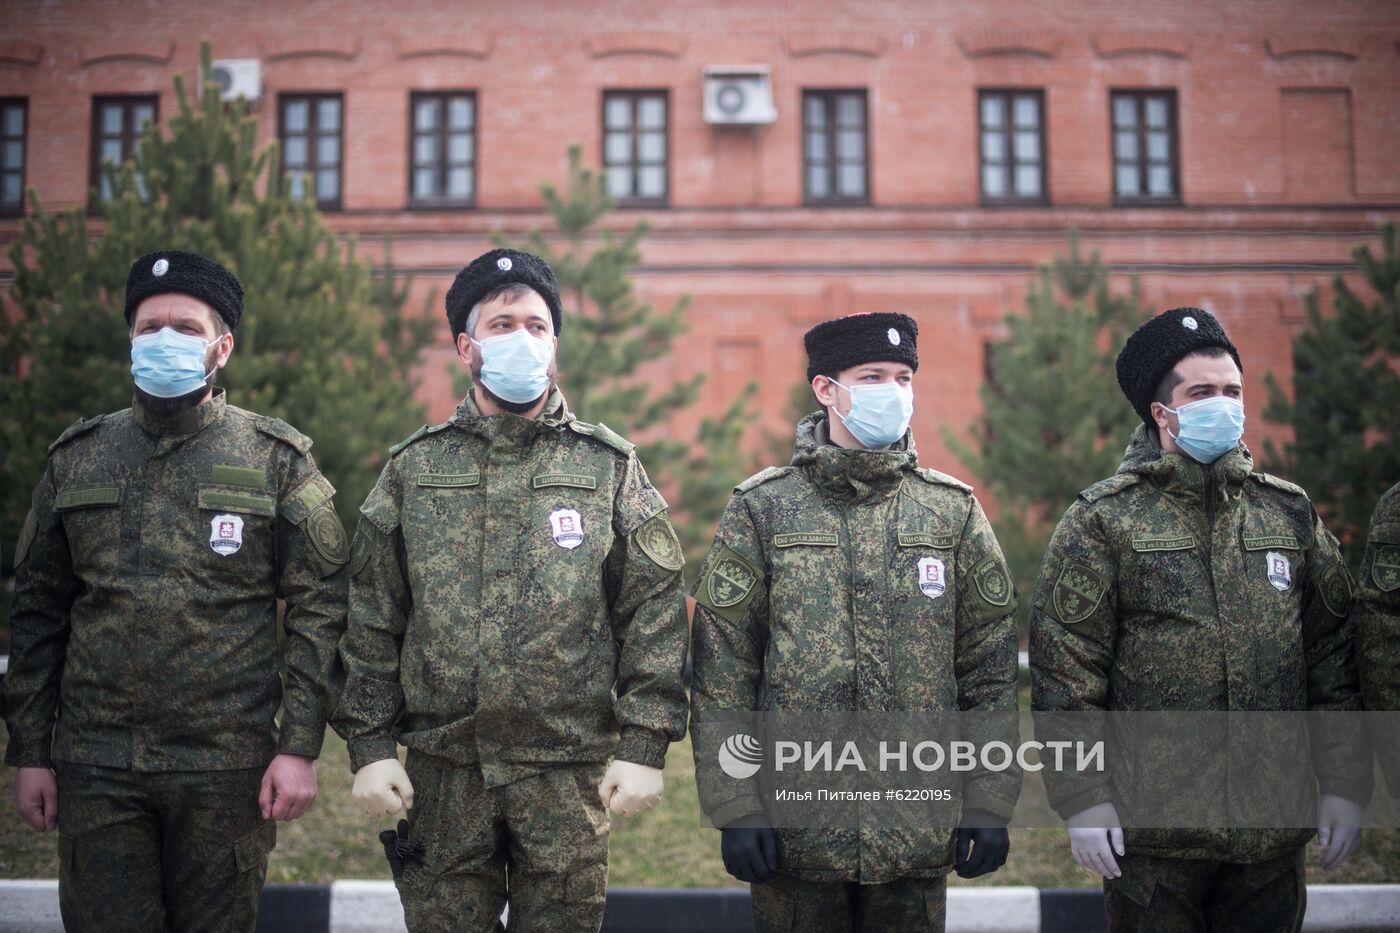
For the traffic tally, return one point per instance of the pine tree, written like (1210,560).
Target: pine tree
(320,345)
(1345,408)
(610,336)
(1053,419)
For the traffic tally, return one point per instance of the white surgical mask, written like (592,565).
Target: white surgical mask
(515,366)
(880,413)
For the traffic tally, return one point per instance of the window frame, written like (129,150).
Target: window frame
(442,136)
(313,135)
(829,96)
(130,135)
(1139,96)
(1008,95)
(17,209)
(633,96)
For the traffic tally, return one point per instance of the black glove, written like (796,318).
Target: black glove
(750,850)
(986,836)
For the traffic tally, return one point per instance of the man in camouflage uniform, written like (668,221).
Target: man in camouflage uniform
(1377,613)
(144,665)
(1189,581)
(517,617)
(855,580)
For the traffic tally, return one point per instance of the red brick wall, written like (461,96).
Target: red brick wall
(1289,117)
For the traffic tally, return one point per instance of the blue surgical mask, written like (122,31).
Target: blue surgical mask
(1209,428)
(879,413)
(168,364)
(515,366)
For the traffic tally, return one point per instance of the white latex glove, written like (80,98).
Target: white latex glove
(382,788)
(1338,829)
(629,788)
(1094,835)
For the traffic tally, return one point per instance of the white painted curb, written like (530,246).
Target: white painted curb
(994,910)
(1346,907)
(366,907)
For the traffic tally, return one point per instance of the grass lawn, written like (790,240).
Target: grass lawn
(666,847)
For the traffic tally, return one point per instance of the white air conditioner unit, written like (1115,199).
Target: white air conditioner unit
(237,77)
(738,95)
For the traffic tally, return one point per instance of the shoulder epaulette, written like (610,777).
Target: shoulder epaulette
(929,475)
(763,476)
(418,435)
(284,432)
(81,426)
(603,434)
(1268,479)
(1109,487)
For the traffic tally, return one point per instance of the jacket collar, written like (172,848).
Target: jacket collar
(189,421)
(1181,477)
(508,430)
(852,475)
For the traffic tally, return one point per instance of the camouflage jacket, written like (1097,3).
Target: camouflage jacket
(1377,614)
(515,600)
(1173,586)
(147,578)
(811,600)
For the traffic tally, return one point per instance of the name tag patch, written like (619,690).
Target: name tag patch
(933,577)
(226,534)
(566,525)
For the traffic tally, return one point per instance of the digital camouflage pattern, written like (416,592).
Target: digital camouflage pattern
(144,621)
(507,575)
(169,850)
(854,580)
(556,848)
(1171,895)
(1377,613)
(909,905)
(1177,587)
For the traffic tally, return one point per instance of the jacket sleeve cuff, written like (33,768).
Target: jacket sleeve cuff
(736,809)
(1357,791)
(371,749)
(642,746)
(1081,800)
(28,753)
(976,797)
(300,739)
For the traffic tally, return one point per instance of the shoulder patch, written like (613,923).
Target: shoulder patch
(418,435)
(1268,479)
(658,541)
(284,432)
(726,583)
(81,426)
(1077,593)
(1335,585)
(327,535)
(1109,487)
(603,434)
(758,479)
(929,475)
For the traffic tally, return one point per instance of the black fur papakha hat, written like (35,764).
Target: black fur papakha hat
(876,337)
(1153,349)
(176,271)
(490,271)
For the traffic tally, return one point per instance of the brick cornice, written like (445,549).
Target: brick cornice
(300,46)
(20,52)
(1115,44)
(800,44)
(635,42)
(1009,42)
(156,51)
(1287,45)
(422,46)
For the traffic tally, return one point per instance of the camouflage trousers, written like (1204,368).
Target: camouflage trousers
(539,844)
(1168,895)
(171,850)
(909,905)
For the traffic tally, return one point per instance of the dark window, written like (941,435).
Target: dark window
(13,117)
(1012,146)
(309,126)
(442,157)
(1144,146)
(117,124)
(634,146)
(835,148)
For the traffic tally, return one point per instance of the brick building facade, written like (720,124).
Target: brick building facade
(924,156)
